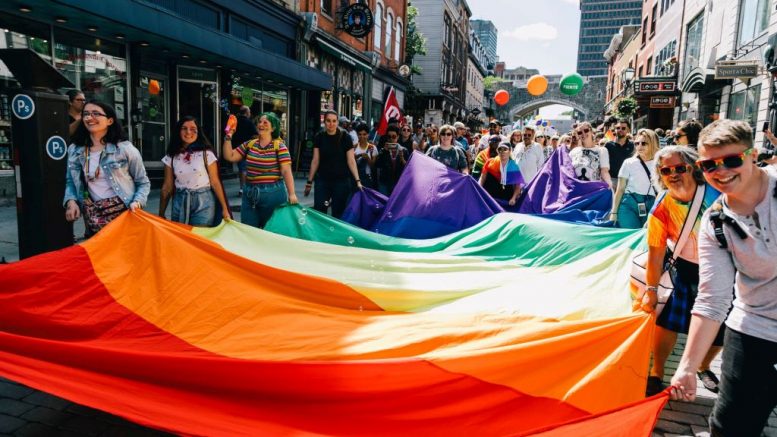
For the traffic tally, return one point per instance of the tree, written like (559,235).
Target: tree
(415,42)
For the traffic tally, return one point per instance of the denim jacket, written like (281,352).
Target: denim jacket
(123,166)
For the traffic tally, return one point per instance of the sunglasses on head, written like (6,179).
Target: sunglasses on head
(676,169)
(729,161)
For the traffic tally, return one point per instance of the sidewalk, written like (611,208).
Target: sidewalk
(9,237)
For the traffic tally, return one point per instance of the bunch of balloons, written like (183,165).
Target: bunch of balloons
(569,85)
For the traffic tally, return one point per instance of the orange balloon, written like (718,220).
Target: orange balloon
(537,85)
(153,87)
(501,97)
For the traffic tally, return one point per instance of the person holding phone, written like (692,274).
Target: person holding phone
(391,160)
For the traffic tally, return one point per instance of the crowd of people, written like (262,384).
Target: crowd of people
(709,206)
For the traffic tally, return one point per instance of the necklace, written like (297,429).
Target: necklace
(87,154)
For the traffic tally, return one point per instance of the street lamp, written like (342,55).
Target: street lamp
(628,75)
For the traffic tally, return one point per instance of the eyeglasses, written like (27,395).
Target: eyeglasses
(621,128)
(728,161)
(446,134)
(640,143)
(94,114)
(583,131)
(676,136)
(676,169)
(79,100)
(405,130)
(527,135)
(189,129)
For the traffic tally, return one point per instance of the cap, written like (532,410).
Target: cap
(503,146)
(459,125)
(344,119)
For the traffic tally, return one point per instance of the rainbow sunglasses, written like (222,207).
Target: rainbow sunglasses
(729,161)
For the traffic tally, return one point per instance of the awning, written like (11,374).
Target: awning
(164,29)
(342,56)
(694,81)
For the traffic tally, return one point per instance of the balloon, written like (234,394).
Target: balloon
(537,85)
(501,97)
(544,123)
(539,122)
(153,87)
(571,84)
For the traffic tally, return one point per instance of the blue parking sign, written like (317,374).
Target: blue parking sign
(22,106)
(56,147)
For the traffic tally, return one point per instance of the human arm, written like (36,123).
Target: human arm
(654,268)
(228,152)
(619,192)
(604,166)
(516,194)
(372,154)
(72,127)
(288,180)
(167,190)
(70,201)
(138,173)
(313,170)
(349,155)
(215,183)
(482,179)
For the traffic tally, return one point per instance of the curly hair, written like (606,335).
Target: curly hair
(688,155)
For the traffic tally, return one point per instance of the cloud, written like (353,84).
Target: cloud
(536,31)
(573,2)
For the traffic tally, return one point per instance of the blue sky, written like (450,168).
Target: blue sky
(538,34)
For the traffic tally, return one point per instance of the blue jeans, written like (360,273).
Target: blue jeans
(748,386)
(259,202)
(335,191)
(628,211)
(194,207)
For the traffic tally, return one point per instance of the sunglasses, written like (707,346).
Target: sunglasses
(676,136)
(729,161)
(583,131)
(446,134)
(640,143)
(676,169)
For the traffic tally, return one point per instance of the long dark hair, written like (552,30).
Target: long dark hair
(115,132)
(177,146)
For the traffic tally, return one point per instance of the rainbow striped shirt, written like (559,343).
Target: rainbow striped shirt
(263,164)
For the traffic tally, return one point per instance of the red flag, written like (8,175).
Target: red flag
(390,110)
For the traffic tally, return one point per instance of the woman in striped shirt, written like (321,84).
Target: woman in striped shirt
(268,170)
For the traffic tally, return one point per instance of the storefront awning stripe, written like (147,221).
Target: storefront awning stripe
(344,57)
(161,25)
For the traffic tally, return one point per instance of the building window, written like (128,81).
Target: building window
(649,65)
(693,46)
(326,7)
(389,38)
(446,32)
(644,30)
(743,105)
(753,19)
(398,42)
(378,31)
(653,21)
(668,52)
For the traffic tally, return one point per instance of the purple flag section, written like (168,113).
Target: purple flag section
(365,209)
(555,187)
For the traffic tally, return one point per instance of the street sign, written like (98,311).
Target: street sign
(735,71)
(659,102)
(56,147)
(655,87)
(23,107)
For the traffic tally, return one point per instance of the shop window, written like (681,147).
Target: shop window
(276,100)
(753,19)
(743,105)
(326,7)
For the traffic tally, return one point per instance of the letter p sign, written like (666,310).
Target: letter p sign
(22,106)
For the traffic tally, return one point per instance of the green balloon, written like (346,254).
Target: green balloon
(247,95)
(571,84)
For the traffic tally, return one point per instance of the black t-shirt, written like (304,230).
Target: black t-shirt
(618,154)
(244,131)
(332,150)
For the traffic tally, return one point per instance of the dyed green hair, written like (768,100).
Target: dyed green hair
(274,121)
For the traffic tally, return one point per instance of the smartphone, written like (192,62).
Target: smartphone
(766,126)
(642,209)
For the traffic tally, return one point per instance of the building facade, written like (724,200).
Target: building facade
(487,34)
(622,56)
(599,21)
(475,88)
(207,60)
(445,25)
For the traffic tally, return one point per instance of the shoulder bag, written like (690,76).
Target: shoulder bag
(665,284)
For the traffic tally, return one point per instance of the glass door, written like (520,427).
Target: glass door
(152,95)
(198,93)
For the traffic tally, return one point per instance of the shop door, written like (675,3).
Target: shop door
(154,116)
(199,98)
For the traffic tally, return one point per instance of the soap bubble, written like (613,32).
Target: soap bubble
(303,211)
(351,240)
(301,220)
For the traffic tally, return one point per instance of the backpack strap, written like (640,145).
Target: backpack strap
(718,217)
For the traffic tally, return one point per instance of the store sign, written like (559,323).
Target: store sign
(660,102)
(56,147)
(655,87)
(724,71)
(357,20)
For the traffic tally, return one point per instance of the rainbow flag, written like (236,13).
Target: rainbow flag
(516,326)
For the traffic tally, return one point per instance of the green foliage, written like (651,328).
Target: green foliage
(415,42)
(491,83)
(626,107)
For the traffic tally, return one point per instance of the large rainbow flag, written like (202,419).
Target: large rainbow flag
(516,326)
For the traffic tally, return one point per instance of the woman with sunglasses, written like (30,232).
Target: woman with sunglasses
(406,138)
(737,252)
(591,161)
(105,174)
(501,176)
(679,176)
(447,152)
(687,133)
(191,179)
(636,193)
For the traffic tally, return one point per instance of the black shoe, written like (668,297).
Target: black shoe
(654,386)
(708,380)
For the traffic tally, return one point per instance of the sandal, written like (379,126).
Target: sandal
(708,380)
(654,386)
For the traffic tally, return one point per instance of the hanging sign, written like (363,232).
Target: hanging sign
(658,102)
(736,71)
(357,20)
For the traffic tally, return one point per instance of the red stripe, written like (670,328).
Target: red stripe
(61,332)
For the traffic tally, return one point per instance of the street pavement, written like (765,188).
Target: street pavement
(28,412)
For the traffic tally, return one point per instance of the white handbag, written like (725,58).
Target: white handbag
(665,284)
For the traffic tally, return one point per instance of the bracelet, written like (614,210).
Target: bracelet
(227,137)
(309,183)
(358,181)
(652,288)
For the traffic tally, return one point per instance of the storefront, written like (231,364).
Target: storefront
(656,98)
(352,73)
(155,65)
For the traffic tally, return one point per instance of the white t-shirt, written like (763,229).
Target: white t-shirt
(100,187)
(370,152)
(530,159)
(354,137)
(638,181)
(589,162)
(190,174)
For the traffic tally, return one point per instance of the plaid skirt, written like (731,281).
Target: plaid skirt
(676,315)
